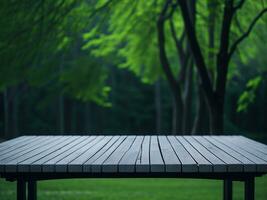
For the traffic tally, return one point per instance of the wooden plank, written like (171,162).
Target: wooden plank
(9,143)
(111,163)
(37,165)
(171,161)
(233,165)
(25,165)
(77,164)
(128,161)
(252,144)
(11,140)
(62,165)
(50,165)
(96,166)
(156,160)
(188,163)
(130,154)
(12,166)
(17,146)
(217,164)
(255,143)
(248,165)
(142,162)
(87,166)
(261,164)
(247,148)
(22,151)
(203,164)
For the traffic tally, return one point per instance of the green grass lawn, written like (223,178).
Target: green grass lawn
(133,189)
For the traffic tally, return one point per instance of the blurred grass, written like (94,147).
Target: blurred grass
(133,189)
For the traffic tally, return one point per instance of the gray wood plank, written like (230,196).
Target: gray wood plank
(252,144)
(50,166)
(171,161)
(142,162)
(9,143)
(97,164)
(111,163)
(12,166)
(203,164)
(233,165)
(261,164)
(218,165)
(25,165)
(128,161)
(62,165)
(130,154)
(247,148)
(77,164)
(248,165)
(188,163)
(87,166)
(22,151)
(11,140)
(36,166)
(17,146)
(156,160)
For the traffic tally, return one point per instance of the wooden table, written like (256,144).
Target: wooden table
(28,159)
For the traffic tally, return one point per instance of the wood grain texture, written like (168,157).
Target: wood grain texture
(132,154)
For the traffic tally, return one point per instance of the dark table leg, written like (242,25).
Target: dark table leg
(250,188)
(32,190)
(227,189)
(21,189)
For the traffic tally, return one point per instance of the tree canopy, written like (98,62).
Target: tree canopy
(87,63)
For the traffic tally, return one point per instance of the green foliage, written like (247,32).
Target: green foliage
(85,80)
(249,95)
(40,45)
(31,33)
(70,47)
(130,35)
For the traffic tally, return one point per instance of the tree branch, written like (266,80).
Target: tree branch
(163,54)
(195,48)
(182,53)
(100,8)
(222,56)
(178,41)
(246,34)
(239,5)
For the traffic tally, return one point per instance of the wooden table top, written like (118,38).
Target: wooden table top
(132,154)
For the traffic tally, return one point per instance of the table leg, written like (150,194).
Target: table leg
(227,189)
(32,190)
(21,189)
(250,188)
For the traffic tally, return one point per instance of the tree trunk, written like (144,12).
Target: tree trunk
(158,106)
(6,114)
(67,115)
(198,122)
(186,121)
(74,116)
(2,111)
(177,116)
(174,85)
(87,118)
(11,112)
(216,118)
(61,115)
(15,113)
(61,100)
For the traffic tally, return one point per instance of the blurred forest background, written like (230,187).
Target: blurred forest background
(142,66)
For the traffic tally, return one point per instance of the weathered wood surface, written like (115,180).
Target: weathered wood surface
(132,154)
